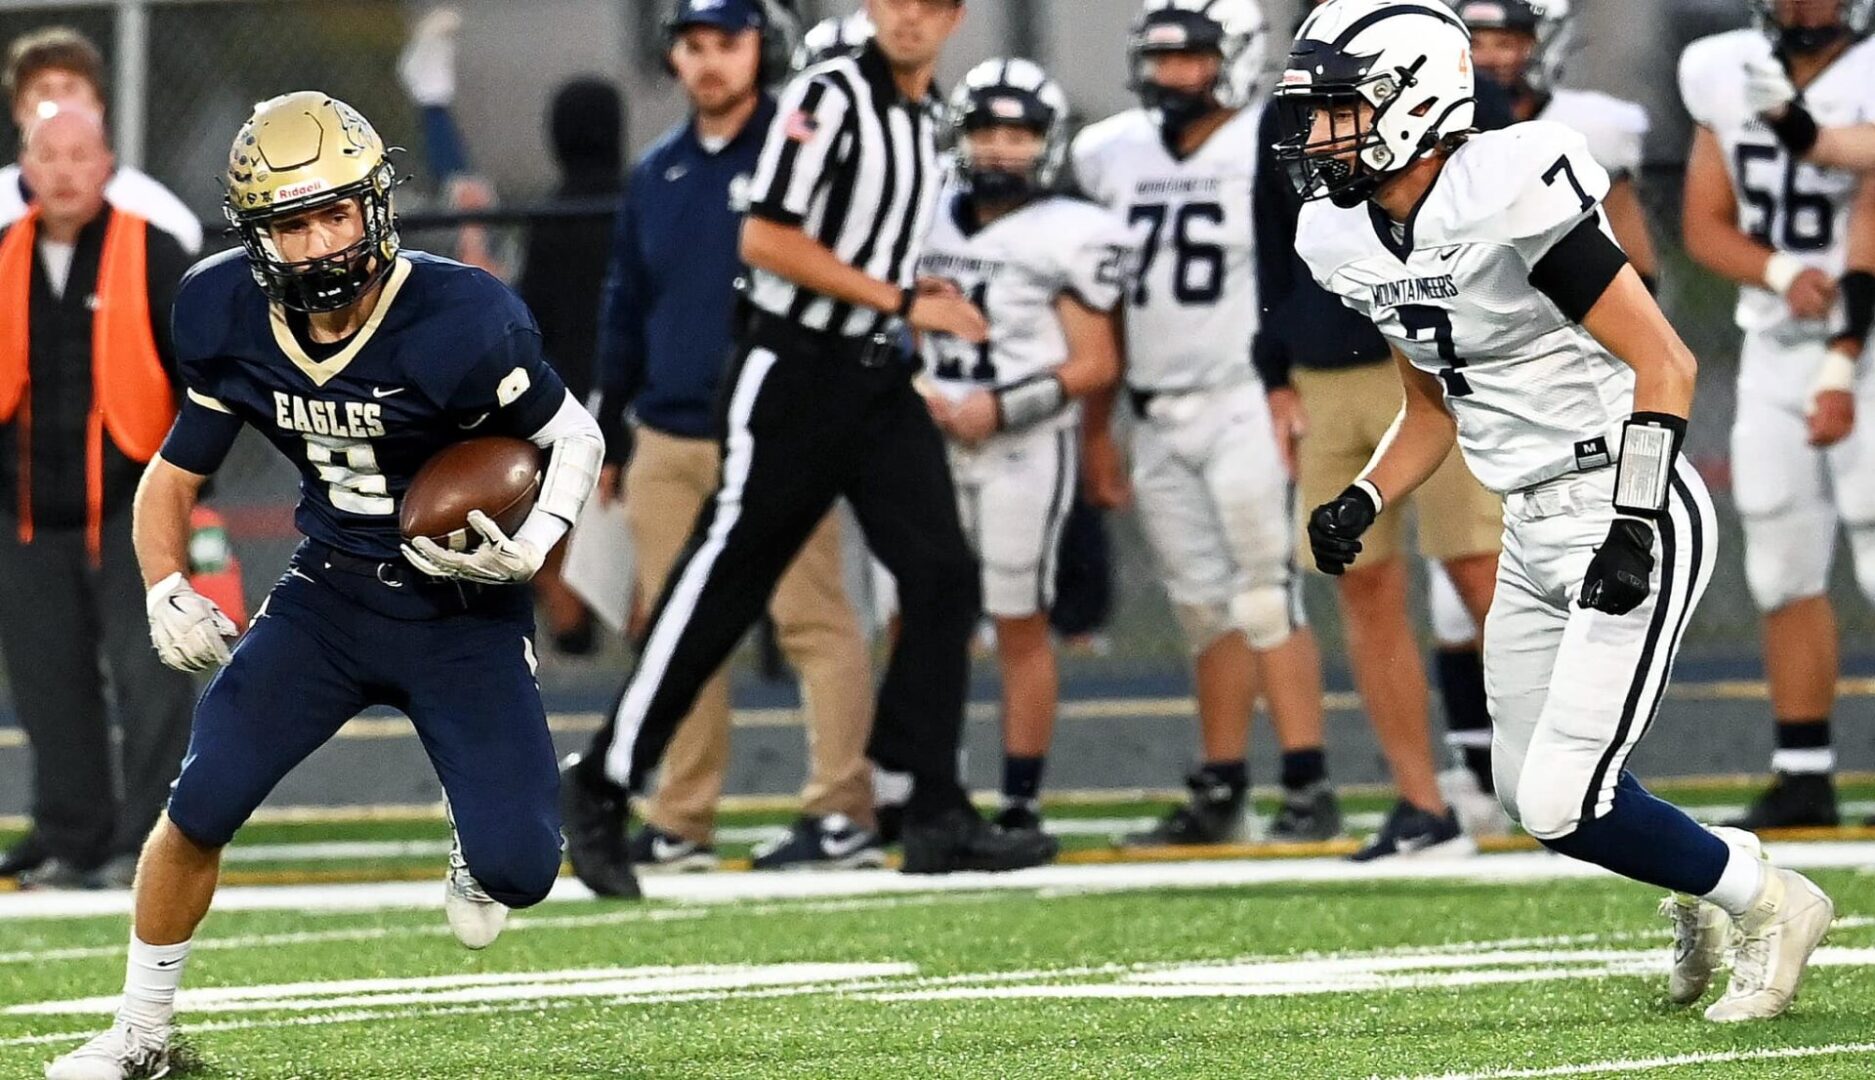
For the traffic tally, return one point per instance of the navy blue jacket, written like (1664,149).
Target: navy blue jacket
(665,314)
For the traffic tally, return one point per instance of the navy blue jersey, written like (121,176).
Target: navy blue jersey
(450,353)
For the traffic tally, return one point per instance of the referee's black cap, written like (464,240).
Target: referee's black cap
(733,16)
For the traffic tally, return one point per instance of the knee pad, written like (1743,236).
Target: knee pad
(1014,592)
(1263,614)
(1547,810)
(1203,624)
(1787,558)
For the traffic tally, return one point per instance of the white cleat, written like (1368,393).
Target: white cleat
(124,1052)
(1479,812)
(1700,931)
(475,917)
(1786,923)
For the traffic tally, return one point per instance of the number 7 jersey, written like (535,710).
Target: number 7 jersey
(1193,310)
(1793,207)
(1535,396)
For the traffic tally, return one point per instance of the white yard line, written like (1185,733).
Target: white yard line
(1635,1065)
(1122,877)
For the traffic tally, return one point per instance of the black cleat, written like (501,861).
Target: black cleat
(593,812)
(29,854)
(656,851)
(960,840)
(1014,817)
(833,842)
(1794,800)
(1410,832)
(1214,814)
(1308,815)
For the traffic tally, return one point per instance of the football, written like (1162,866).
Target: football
(499,476)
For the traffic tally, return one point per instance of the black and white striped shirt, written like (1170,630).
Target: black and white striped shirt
(853,163)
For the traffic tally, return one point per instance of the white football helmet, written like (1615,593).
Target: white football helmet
(1019,93)
(1391,80)
(1546,21)
(1852,21)
(838,36)
(1233,29)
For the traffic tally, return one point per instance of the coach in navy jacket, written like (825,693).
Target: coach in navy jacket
(664,341)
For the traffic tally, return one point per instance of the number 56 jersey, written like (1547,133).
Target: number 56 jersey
(448,354)
(1193,310)
(1793,207)
(1535,396)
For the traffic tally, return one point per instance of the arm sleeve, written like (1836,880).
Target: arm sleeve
(1274,213)
(1578,269)
(574,452)
(510,390)
(623,298)
(202,435)
(801,151)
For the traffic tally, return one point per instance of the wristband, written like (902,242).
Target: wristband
(907,299)
(1796,129)
(1650,445)
(1367,487)
(1837,372)
(1030,401)
(1781,271)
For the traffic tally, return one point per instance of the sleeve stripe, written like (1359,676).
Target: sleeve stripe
(207,402)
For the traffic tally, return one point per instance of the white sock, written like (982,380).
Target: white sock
(1739,885)
(151,979)
(890,788)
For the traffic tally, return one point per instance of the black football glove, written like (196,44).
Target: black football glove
(1619,574)
(1335,529)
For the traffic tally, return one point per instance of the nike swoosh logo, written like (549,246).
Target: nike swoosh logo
(663,850)
(475,423)
(835,848)
(1446,256)
(168,963)
(383,392)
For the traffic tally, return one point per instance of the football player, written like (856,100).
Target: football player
(358,361)
(1800,241)
(1522,333)
(1520,45)
(1214,495)
(1047,271)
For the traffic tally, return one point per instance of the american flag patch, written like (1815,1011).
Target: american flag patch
(802,127)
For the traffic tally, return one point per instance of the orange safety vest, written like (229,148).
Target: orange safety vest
(130,392)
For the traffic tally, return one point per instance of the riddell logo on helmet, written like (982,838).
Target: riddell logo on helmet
(1004,108)
(304,187)
(1297,77)
(1168,35)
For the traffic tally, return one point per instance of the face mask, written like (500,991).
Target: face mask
(1000,186)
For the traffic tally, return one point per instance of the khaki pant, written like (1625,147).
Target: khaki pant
(666,486)
(1350,410)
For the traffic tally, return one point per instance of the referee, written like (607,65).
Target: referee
(818,404)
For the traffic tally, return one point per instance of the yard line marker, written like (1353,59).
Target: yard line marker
(1634,1065)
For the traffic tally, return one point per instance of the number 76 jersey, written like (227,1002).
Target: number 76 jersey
(1192,312)
(1790,206)
(1535,396)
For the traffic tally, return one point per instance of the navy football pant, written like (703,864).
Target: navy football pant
(329,643)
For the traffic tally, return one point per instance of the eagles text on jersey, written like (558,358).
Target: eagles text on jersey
(448,354)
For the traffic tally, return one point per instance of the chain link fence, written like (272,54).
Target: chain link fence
(207,61)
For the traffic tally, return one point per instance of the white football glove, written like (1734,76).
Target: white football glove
(499,560)
(1767,85)
(190,632)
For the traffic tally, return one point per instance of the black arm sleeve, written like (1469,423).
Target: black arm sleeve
(1274,209)
(1579,268)
(1858,302)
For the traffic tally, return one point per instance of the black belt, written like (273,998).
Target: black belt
(872,351)
(388,571)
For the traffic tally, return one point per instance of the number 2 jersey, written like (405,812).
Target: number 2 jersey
(1535,396)
(1790,206)
(449,354)
(1014,269)
(1193,310)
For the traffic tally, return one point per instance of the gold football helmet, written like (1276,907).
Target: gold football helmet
(297,152)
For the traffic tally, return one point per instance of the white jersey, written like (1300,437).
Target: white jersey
(1014,269)
(1793,207)
(129,189)
(1193,311)
(1534,395)
(1615,129)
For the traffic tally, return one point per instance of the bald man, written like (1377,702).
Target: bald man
(86,393)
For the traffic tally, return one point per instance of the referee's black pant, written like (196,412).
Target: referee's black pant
(807,418)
